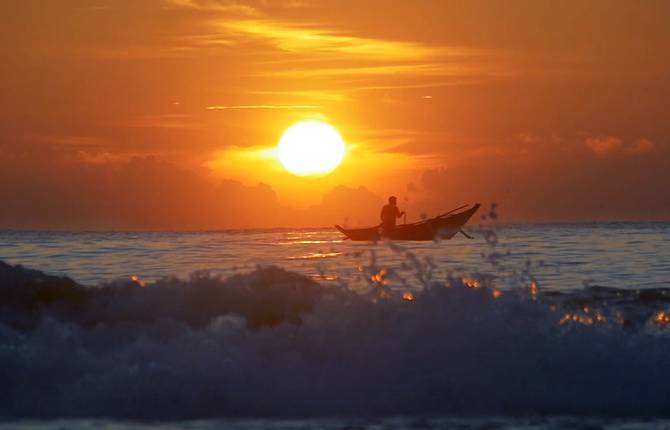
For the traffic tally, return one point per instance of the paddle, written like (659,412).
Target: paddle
(443,215)
(451,211)
(465,234)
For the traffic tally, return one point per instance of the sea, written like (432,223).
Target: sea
(518,327)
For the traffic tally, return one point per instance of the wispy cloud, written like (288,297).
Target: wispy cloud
(248,7)
(609,145)
(73,141)
(307,94)
(640,146)
(304,38)
(102,157)
(133,53)
(173,121)
(303,48)
(299,50)
(264,107)
(376,70)
(445,81)
(228,6)
(604,146)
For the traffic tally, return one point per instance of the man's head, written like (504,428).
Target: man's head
(393,200)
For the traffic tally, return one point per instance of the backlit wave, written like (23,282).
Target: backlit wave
(276,343)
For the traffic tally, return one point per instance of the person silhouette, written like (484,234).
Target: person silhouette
(389,214)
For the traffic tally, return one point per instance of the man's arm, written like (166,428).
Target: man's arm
(398,214)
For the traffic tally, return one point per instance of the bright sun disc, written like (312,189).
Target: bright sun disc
(311,148)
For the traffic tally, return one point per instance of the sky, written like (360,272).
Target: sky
(164,114)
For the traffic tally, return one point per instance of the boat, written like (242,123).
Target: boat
(444,226)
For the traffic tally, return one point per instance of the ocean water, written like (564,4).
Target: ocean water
(534,326)
(392,423)
(564,257)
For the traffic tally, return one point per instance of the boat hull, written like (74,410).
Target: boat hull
(443,227)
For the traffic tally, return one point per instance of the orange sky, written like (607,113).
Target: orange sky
(120,114)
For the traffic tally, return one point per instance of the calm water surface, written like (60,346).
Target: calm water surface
(623,255)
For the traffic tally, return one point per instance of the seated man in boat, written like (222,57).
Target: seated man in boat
(389,214)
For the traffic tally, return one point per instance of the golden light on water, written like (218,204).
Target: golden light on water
(588,316)
(471,282)
(136,279)
(311,148)
(534,290)
(379,278)
(578,318)
(662,318)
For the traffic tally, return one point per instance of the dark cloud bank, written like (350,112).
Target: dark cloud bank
(147,193)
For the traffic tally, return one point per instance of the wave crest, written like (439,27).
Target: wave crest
(275,343)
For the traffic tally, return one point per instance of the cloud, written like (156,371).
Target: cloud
(640,146)
(264,107)
(603,146)
(277,44)
(169,121)
(574,190)
(248,8)
(318,51)
(102,157)
(216,6)
(527,137)
(318,95)
(459,80)
(370,70)
(337,205)
(609,145)
(303,38)
(136,193)
(73,141)
(150,193)
(235,160)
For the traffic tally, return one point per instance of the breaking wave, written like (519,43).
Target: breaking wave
(276,343)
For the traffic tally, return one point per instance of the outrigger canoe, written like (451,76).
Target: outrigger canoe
(444,226)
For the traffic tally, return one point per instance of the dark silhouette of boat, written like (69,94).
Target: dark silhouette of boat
(444,226)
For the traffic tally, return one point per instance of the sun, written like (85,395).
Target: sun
(311,148)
